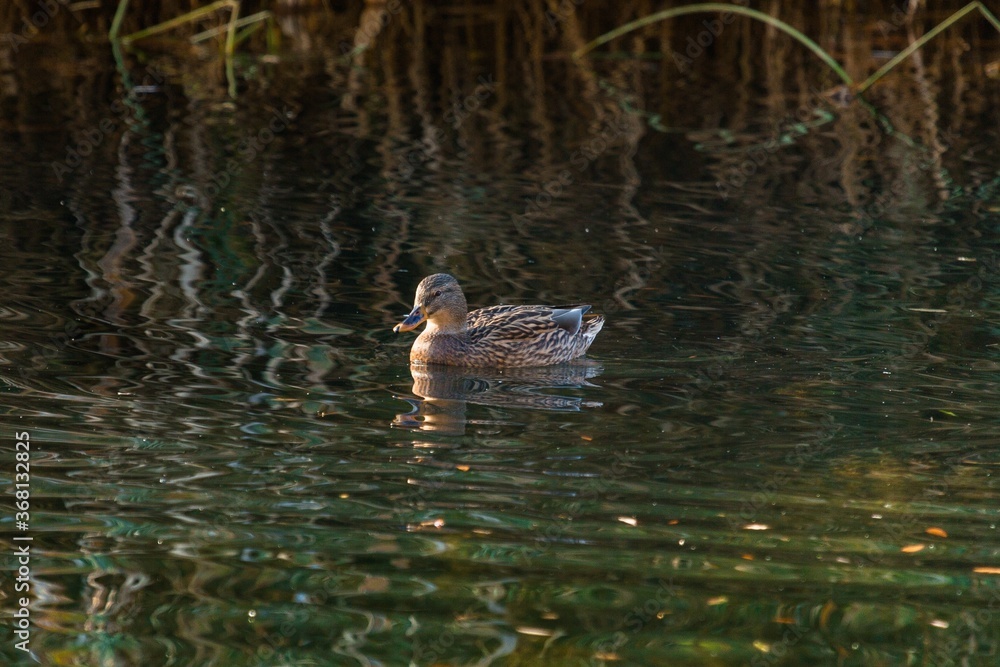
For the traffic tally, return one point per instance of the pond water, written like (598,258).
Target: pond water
(782,449)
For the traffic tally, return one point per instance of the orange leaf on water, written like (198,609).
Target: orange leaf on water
(937,532)
(824,614)
(912,548)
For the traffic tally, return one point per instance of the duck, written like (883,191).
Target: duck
(496,336)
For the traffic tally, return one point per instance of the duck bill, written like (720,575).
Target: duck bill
(412,321)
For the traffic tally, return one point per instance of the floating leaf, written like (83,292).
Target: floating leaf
(824,614)
(912,548)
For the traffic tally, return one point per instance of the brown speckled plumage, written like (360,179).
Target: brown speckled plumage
(494,336)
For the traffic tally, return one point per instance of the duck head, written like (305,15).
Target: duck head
(439,302)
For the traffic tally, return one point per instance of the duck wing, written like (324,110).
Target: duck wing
(569,318)
(498,323)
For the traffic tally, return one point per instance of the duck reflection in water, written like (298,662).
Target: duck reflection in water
(443,392)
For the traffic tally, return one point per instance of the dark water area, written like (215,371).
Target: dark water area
(781,449)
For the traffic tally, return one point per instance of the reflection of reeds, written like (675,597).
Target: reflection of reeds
(375,177)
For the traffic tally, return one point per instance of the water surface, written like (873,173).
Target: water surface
(781,449)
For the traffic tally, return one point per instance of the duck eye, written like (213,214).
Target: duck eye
(437,293)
